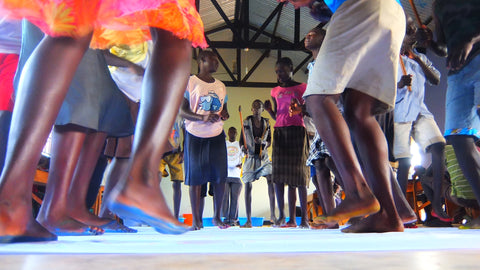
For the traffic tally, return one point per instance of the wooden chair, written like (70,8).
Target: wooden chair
(414,189)
(40,180)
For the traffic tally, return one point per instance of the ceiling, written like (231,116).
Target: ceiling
(268,27)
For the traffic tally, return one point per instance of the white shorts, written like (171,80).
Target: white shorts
(361,51)
(424,132)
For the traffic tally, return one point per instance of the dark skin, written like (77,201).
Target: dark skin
(207,65)
(231,196)
(39,100)
(257,109)
(467,154)
(284,78)
(335,131)
(437,149)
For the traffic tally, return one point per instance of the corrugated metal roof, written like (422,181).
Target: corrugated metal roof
(261,9)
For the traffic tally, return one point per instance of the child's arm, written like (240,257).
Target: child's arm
(431,73)
(113,60)
(187,113)
(224,113)
(271,109)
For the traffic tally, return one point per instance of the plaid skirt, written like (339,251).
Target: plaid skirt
(289,154)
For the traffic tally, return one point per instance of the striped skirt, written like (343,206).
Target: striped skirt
(289,154)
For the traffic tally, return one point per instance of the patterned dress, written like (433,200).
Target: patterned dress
(113,22)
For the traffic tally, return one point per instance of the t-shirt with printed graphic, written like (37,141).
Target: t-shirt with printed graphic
(234,158)
(205,98)
(283,96)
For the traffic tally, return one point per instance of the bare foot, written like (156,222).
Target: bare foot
(315,226)
(273,219)
(280,222)
(18,225)
(61,224)
(219,223)
(290,224)
(247,224)
(379,222)
(304,224)
(354,208)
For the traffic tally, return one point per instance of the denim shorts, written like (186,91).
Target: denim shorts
(463,101)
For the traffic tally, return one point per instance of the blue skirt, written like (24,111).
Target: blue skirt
(205,159)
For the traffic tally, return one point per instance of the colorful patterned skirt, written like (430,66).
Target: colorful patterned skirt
(113,22)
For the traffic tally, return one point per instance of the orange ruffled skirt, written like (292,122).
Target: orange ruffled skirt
(113,22)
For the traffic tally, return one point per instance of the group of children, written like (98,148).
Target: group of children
(357,64)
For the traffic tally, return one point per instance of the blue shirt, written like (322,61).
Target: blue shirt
(410,104)
(334,4)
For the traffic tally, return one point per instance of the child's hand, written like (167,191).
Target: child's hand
(424,37)
(295,107)
(405,80)
(224,115)
(267,105)
(212,118)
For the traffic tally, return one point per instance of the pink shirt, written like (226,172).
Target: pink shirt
(283,97)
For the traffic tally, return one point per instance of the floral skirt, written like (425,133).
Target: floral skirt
(113,22)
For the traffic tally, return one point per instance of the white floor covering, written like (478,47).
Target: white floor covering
(262,245)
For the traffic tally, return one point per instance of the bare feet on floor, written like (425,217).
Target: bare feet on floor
(219,223)
(18,225)
(379,222)
(354,208)
(247,224)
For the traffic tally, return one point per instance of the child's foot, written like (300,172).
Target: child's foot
(304,225)
(219,223)
(146,204)
(247,224)
(379,222)
(290,224)
(18,226)
(65,225)
(280,222)
(354,208)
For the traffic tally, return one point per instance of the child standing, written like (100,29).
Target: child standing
(233,185)
(204,108)
(257,163)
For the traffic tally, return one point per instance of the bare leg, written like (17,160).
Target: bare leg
(271,198)
(197,207)
(177,196)
(55,213)
(302,195)
(248,205)
(280,191)
(438,167)
(139,194)
(77,209)
(402,173)
(292,207)
(469,160)
(359,200)
(218,200)
(42,89)
(373,152)
(116,169)
(324,186)
(404,209)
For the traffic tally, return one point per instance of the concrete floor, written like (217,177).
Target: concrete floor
(257,248)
